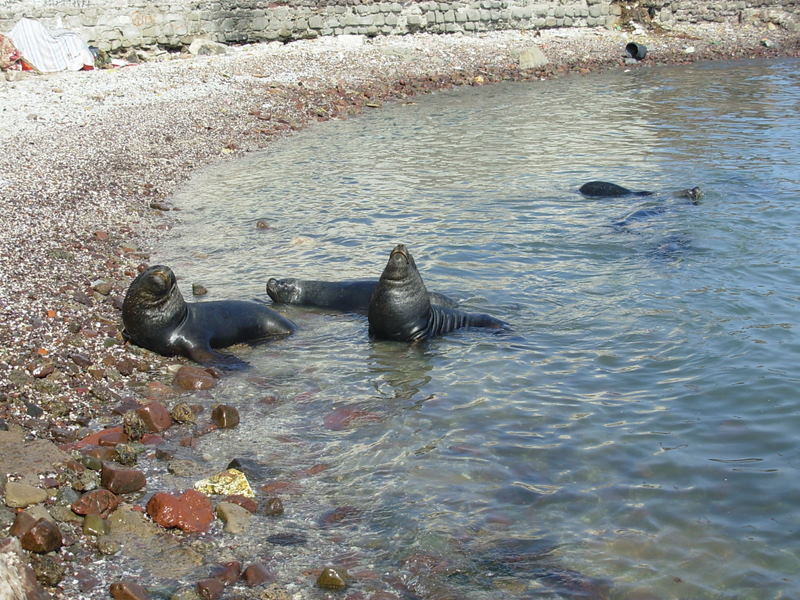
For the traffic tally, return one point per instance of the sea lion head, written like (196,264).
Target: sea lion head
(153,302)
(400,264)
(284,291)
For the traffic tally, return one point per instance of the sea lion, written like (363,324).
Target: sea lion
(604,189)
(156,317)
(400,307)
(693,195)
(350,295)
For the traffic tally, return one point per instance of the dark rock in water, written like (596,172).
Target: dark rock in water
(254,470)
(225,416)
(273,507)
(256,574)
(332,578)
(227,572)
(340,515)
(287,539)
(210,589)
(128,590)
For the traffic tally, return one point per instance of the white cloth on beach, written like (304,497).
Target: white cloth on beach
(50,51)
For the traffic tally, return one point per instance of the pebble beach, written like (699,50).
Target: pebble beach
(90,160)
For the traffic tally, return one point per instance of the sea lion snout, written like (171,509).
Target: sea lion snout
(401,250)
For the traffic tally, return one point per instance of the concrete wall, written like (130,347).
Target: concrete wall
(116,24)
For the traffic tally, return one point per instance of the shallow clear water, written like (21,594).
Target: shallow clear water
(639,424)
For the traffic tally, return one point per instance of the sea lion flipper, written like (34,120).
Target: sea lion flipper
(212,358)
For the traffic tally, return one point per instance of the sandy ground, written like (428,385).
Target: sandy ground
(89,160)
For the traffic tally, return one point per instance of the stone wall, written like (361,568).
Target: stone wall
(116,24)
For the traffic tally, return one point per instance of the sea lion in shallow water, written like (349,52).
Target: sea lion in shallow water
(156,317)
(605,189)
(400,308)
(350,295)
(693,195)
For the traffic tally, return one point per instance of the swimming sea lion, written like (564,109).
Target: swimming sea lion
(156,317)
(400,308)
(693,195)
(350,295)
(604,189)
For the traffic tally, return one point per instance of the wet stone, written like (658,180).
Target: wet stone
(108,546)
(44,536)
(96,502)
(210,589)
(128,590)
(273,507)
(190,511)
(93,457)
(22,523)
(121,481)
(199,290)
(134,425)
(332,578)
(225,416)
(235,517)
(94,525)
(247,503)
(228,572)
(49,570)
(182,412)
(128,454)
(155,417)
(257,574)
(194,378)
(20,495)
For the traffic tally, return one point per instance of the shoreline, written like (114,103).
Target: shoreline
(92,158)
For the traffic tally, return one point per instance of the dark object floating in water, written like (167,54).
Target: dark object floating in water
(605,189)
(637,51)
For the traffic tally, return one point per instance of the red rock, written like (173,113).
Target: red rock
(286,487)
(151,439)
(225,416)
(227,572)
(191,511)
(102,452)
(242,501)
(256,574)
(155,390)
(315,469)
(96,502)
(121,481)
(94,438)
(194,378)
(346,416)
(112,438)
(210,589)
(128,590)
(22,523)
(44,536)
(155,416)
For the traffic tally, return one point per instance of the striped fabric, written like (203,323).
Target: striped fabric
(50,51)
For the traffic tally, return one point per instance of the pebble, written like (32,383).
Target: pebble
(194,378)
(128,590)
(257,574)
(235,517)
(43,536)
(121,481)
(225,416)
(332,578)
(20,495)
(190,511)
(273,507)
(155,417)
(96,502)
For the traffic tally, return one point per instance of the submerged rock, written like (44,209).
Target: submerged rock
(235,517)
(332,578)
